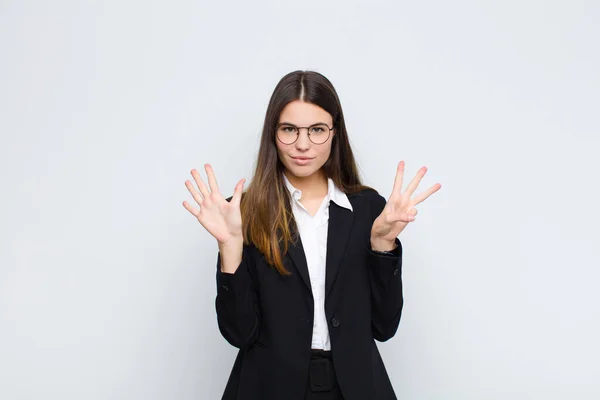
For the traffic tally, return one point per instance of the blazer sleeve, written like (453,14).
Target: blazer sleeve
(385,275)
(237,303)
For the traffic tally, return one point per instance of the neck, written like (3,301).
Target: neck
(311,186)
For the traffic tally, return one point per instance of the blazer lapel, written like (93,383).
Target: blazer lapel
(338,231)
(297,255)
(340,225)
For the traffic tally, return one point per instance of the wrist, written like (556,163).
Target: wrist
(231,254)
(379,244)
(233,241)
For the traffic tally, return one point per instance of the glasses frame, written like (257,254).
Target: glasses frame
(307,132)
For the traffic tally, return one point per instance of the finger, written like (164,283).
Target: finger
(423,196)
(237,193)
(203,189)
(191,209)
(212,180)
(415,181)
(398,180)
(411,214)
(405,216)
(194,192)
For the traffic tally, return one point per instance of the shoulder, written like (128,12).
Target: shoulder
(368,198)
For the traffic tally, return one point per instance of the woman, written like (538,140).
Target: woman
(309,262)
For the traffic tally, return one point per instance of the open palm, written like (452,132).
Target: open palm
(399,210)
(221,218)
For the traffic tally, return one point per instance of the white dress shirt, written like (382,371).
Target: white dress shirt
(313,233)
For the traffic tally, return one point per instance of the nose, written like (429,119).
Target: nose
(303,141)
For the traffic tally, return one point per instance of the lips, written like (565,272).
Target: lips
(301,160)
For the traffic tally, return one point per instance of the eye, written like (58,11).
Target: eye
(317,129)
(288,129)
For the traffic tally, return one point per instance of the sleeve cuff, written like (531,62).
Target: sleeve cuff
(232,282)
(395,253)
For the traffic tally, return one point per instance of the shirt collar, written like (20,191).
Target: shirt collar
(333,192)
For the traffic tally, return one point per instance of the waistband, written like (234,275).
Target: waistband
(320,353)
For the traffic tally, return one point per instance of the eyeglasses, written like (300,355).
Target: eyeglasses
(317,133)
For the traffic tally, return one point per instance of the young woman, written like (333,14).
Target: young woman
(309,263)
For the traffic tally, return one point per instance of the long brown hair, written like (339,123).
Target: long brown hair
(268,221)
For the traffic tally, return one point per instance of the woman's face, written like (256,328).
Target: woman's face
(303,114)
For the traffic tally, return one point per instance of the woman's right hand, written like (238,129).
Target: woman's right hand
(221,218)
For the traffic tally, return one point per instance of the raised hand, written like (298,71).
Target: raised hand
(399,210)
(222,219)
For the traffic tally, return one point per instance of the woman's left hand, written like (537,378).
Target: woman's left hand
(399,210)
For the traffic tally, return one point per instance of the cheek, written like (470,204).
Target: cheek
(325,152)
(280,153)
(280,147)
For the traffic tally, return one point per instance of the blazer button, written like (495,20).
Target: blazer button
(396,271)
(335,322)
(225,287)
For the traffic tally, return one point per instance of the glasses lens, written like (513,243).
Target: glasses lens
(319,133)
(287,133)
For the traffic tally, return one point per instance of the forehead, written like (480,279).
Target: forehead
(303,114)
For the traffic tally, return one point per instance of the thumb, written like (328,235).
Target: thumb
(237,193)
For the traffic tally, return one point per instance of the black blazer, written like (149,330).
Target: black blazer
(269,317)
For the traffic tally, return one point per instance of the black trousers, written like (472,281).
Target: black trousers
(322,382)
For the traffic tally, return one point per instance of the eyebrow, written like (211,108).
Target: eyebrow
(289,123)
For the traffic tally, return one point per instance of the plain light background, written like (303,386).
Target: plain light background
(107,284)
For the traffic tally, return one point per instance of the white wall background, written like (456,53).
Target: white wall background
(107,283)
